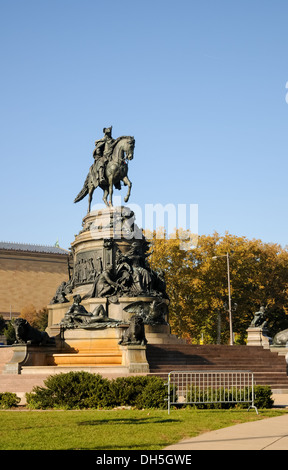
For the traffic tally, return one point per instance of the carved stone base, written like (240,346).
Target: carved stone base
(134,358)
(27,355)
(88,347)
(96,351)
(110,248)
(19,356)
(258,337)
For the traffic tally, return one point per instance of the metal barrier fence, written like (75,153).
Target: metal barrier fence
(207,387)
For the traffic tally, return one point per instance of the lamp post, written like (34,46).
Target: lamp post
(229,295)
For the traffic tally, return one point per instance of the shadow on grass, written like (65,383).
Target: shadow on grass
(148,420)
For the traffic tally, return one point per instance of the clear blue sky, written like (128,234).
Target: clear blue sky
(201,84)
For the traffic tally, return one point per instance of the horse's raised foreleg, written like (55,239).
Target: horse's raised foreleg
(128,183)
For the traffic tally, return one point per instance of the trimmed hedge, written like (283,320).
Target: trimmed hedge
(138,391)
(8,400)
(78,390)
(263,396)
(70,390)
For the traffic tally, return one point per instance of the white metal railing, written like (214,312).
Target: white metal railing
(207,387)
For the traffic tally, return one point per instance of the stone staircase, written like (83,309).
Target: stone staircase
(269,368)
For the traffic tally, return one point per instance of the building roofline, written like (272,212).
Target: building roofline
(27,247)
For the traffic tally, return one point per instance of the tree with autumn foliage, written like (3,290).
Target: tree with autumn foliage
(198,289)
(37,318)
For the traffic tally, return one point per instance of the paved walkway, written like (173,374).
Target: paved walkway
(265,434)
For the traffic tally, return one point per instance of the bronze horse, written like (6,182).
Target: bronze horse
(116,171)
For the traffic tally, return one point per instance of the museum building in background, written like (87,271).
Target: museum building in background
(29,274)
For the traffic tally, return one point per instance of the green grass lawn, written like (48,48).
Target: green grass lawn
(113,429)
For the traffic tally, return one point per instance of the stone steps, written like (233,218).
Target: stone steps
(84,358)
(269,368)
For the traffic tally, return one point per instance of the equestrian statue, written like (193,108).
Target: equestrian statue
(110,167)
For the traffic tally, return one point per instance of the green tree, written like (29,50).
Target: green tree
(41,320)
(2,324)
(9,332)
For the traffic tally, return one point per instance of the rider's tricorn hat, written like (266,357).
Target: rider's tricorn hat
(109,129)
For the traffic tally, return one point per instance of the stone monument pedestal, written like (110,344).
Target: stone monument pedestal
(113,304)
(96,351)
(110,243)
(258,336)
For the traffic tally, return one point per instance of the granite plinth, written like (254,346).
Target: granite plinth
(258,336)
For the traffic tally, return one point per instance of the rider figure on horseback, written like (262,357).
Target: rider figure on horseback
(102,153)
(110,167)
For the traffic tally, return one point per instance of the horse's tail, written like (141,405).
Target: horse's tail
(83,192)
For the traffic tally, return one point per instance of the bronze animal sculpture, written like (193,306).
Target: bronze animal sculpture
(152,313)
(281,338)
(25,333)
(135,333)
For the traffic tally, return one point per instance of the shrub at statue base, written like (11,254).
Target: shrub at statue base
(8,400)
(263,396)
(221,398)
(139,392)
(71,390)
(78,390)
